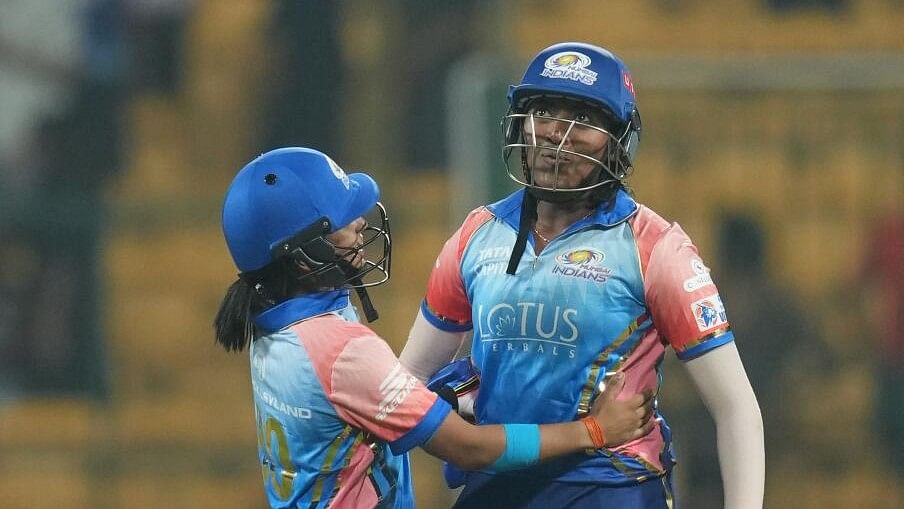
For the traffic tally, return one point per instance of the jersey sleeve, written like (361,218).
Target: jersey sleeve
(371,390)
(446,305)
(682,298)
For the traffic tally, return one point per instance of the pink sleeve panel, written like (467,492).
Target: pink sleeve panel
(446,304)
(364,380)
(680,294)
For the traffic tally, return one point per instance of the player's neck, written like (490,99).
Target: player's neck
(554,218)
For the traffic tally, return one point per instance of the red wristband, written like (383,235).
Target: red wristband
(595,431)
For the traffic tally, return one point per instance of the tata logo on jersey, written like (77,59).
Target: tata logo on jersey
(709,312)
(492,261)
(494,253)
(528,320)
(569,65)
(582,263)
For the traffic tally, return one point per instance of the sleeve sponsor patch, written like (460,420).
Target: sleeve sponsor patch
(709,312)
(700,279)
(395,388)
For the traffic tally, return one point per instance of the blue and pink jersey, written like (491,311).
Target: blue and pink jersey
(608,294)
(335,410)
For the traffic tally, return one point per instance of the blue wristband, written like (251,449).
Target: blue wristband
(522,447)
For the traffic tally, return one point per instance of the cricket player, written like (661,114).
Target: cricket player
(570,280)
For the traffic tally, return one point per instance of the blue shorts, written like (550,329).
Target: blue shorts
(508,492)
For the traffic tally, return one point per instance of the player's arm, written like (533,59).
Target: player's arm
(514,446)
(444,319)
(371,390)
(686,306)
(722,382)
(429,348)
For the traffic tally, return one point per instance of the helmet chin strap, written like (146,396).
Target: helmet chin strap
(528,218)
(353,277)
(370,312)
(532,196)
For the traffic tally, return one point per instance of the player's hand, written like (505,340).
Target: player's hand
(623,419)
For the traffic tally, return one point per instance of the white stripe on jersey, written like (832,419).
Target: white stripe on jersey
(395,388)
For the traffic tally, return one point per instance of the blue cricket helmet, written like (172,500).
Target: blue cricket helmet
(285,191)
(580,70)
(583,72)
(586,72)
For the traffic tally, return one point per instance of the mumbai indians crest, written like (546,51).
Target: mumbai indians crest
(569,65)
(338,172)
(581,257)
(582,263)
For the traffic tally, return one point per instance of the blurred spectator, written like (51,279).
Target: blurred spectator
(57,346)
(793,5)
(776,334)
(157,40)
(435,35)
(777,342)
(52,222)
(17,272)
(304,76)
(882,275)
(105,51)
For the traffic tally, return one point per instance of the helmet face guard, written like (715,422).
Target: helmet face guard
(331,264)
(522,148)
(578,72)
(377,240)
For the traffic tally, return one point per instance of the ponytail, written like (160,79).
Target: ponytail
(254,292)
(234,324)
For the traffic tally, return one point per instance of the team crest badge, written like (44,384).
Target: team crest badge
(569,65)
(584,263)
(339,173)
(581,257)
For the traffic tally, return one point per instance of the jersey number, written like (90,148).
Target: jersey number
(272,438)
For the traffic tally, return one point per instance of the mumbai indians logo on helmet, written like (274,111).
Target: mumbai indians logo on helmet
(584,264)
(569,65)
(338,172)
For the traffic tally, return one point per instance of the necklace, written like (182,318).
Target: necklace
(544,239)
(537,232)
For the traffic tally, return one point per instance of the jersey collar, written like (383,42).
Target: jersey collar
(299,308)
(508,210)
